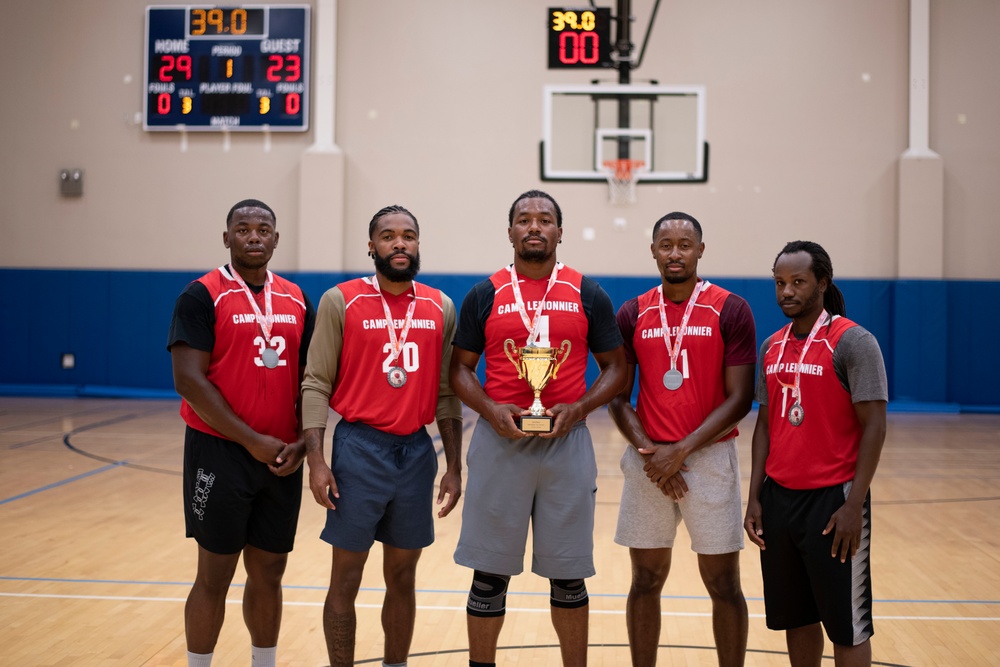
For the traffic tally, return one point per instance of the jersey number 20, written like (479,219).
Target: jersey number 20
(409,356)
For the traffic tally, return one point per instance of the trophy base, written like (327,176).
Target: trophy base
(533,424)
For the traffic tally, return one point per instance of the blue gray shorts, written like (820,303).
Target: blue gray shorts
(386,485)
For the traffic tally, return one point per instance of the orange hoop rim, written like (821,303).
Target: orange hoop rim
(624,168)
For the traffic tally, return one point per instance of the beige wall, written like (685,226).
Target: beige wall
(438,107)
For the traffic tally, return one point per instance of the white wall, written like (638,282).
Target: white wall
(439,108)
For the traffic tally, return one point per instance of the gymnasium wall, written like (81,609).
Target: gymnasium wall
(438,107)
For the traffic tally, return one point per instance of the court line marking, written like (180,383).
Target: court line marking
(443,591)
(68,480)
(611,612)
(684,647)
(111,462)
(469,418)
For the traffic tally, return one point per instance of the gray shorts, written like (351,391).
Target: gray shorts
(551,483)
(711,509)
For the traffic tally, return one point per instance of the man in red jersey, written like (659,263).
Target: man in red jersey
(515,477)
(822,391)
(380,360)
(238,343)
(695,346)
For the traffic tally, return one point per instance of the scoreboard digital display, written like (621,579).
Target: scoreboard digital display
(227,68)
(579,38)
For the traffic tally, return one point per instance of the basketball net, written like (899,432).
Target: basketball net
(622,175)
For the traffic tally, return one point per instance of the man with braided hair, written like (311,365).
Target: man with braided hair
(547,479)
(822,391)
(380,360)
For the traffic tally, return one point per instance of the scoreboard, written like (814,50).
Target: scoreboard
(213,68)
(579,38)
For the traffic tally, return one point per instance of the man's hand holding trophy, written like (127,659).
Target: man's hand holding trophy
(537,366)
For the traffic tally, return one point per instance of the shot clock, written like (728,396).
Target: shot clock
(579,38)
(227,68)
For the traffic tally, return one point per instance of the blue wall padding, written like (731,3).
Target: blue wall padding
(970,353)
(919,341)
(115,323)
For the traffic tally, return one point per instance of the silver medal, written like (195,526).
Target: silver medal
(673,379)
(796,414)
(270,357)
(396,377)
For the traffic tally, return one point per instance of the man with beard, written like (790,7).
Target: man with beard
(822,391)
(695,347)
(547,478)
(238,343)
(380,359)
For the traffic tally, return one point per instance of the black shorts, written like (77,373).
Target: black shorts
(803,584)
(231,499)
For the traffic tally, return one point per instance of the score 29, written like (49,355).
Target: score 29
(170,63)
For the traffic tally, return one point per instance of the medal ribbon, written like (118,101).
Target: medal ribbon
(532,324)
(675,351)
(396,342)
(796,388)
(265,319)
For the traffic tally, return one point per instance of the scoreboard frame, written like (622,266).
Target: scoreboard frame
(237,68)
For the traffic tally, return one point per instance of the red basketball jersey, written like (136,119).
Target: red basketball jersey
(823,449)
(264,398)
(669,415)
(362,391)
(563,319)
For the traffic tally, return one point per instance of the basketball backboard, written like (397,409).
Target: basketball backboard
(587,126)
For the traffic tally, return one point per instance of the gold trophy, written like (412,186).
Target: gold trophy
(537,365)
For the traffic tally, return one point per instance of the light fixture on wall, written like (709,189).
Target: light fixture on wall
(71,182)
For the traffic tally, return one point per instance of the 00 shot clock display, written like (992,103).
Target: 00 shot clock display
(227,68)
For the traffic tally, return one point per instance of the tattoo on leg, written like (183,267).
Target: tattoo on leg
(341,629)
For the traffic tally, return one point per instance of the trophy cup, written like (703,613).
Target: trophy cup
(537,365)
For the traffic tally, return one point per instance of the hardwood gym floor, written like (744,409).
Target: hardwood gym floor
(94,567)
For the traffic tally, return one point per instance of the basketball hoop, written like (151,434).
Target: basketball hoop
(622,175)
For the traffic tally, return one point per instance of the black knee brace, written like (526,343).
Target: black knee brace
(568,593)
(488,595)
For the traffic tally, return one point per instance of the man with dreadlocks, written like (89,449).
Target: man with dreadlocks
(380,359)
(822,391)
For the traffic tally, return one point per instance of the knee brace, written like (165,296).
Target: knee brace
(488,595)
(568,593)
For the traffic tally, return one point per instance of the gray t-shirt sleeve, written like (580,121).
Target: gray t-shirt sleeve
(859,366)
(760,392)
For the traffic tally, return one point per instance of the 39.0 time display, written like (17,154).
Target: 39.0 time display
(227,68)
